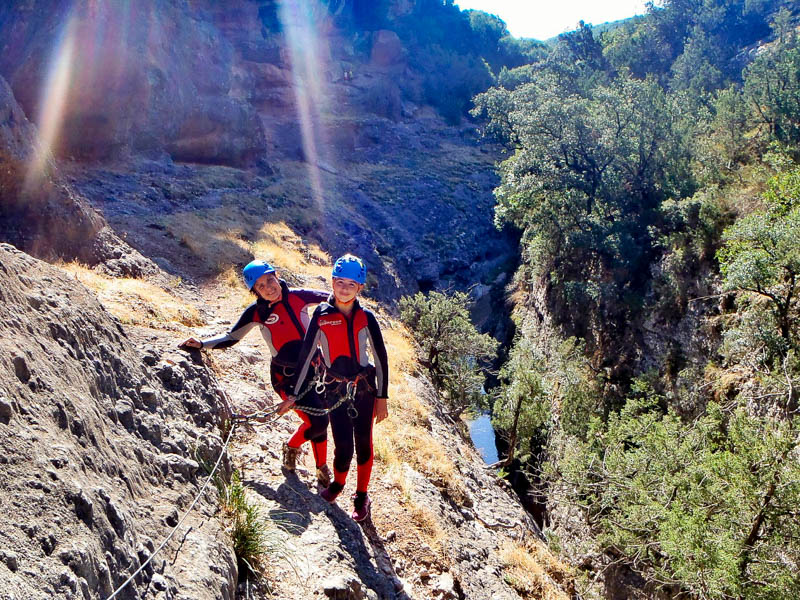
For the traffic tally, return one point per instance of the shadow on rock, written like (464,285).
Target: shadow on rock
(384,582)
(296,500)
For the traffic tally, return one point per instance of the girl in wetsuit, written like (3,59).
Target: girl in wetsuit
(343,329)
(280,313)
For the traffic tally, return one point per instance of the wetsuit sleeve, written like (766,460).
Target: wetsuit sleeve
(311,296)
(245,323)
(307,352)
(379,354)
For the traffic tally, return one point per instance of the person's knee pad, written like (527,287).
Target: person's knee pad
(320,437)
(319,427)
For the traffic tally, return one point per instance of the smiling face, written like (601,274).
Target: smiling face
(268,287)
(345,290)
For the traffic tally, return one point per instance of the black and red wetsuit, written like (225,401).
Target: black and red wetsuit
(343,341)
(283,325)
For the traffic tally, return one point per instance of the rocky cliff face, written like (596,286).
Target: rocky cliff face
(142,77)
(41,213)
(205,82)
(99,442)
(101,433)
(321,112)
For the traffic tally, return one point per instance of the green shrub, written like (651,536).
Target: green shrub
(707,508)
(452,350)
(761,258)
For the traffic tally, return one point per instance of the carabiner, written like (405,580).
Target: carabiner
(350,395)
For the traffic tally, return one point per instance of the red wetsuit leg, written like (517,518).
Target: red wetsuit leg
(320,450)
(318,447)
(300,435)
(279,384)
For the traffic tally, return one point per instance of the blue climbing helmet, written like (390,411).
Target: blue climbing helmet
(350,267)
(254,270)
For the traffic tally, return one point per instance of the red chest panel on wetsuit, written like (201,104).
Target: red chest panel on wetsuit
(342,342)
(280,324)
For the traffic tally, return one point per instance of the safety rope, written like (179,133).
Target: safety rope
(186,514)
(261,415)
(348,397)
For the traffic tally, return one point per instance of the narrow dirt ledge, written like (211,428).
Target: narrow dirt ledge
(99,442)
(422,542)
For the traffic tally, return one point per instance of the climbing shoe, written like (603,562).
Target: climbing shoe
(330,493)
(361,506)
(290,457)
(324,476)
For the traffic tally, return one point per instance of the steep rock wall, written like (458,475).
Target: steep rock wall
(98,442)
(166,81)
(41,213)
(143,76)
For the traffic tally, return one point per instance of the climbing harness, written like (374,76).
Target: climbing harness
(263,416)
(323,379)
(319,383)
(348,397)
(186,514)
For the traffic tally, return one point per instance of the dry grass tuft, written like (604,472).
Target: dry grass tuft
(534,572)
(282,247)
(230,280)
(135,301)
(428,525)
(223,239)
(402,442)
(217,238)
(398,339)
(405,438)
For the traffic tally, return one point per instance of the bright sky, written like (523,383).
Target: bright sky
(543,19)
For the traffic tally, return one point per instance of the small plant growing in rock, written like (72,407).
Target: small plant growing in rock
(254,538)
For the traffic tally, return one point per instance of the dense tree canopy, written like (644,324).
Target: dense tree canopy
(653,173)
(589,172)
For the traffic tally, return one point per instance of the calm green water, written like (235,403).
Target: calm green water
(482,434)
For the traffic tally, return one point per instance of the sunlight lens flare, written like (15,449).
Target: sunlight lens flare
(53,102)
(300,20)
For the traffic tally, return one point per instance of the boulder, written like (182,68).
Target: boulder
(387,49)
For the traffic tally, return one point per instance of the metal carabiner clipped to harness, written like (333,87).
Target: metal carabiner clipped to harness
(352,411)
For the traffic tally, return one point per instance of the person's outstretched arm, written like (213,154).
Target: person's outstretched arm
(310,296)
(245,323)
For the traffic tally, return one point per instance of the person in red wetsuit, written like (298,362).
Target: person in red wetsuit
(280,312)
(342,329)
